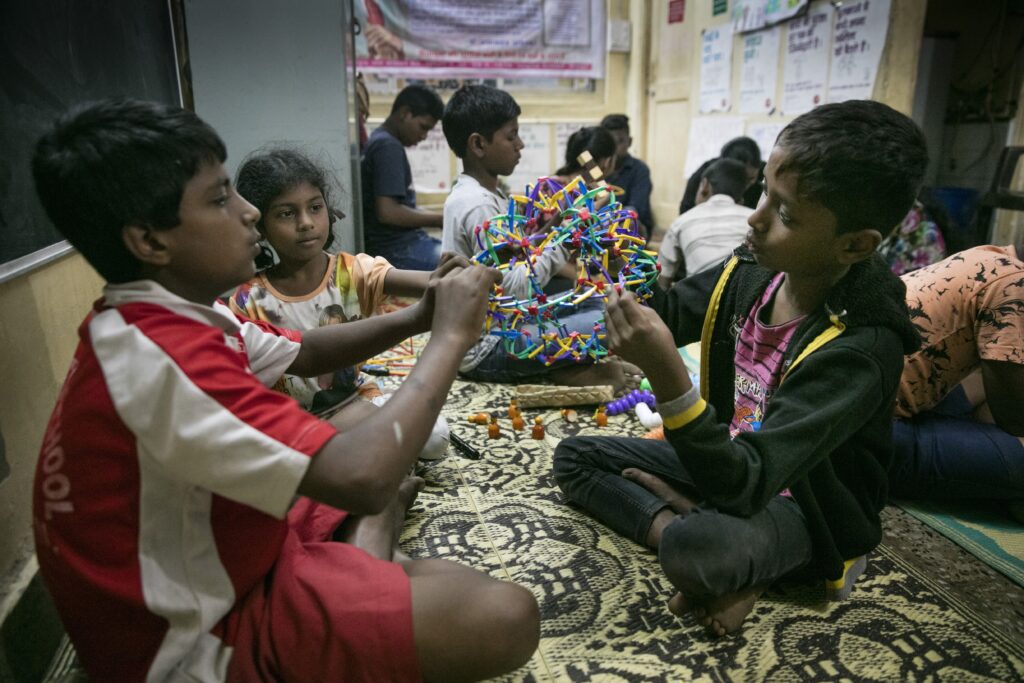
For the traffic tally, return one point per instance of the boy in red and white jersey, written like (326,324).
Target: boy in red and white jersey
(190,522)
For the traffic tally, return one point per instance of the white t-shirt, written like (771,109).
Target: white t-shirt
(704,235)
(469,205)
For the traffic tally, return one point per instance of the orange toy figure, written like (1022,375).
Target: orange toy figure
(493,431)
(513,408)
(538,428)
(601,417)
(478,418)
(517,421)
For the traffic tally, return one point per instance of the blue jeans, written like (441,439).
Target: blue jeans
(500,366)
(944,454)
(412,250)
(706,553)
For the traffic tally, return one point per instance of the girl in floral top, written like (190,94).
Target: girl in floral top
(308,286)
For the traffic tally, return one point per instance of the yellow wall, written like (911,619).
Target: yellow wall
(39,317)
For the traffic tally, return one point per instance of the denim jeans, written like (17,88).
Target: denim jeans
(944,454)
(414,250)
(705,553)
(500,366)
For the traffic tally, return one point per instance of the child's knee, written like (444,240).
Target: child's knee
(518,623)
(695,556)
(568,458)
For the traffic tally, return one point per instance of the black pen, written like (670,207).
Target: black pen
(464,448)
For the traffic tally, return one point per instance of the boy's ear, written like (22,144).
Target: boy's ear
(146,244)
(858,245)
(475,145)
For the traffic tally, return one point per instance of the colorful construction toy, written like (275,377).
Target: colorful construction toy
(608,248)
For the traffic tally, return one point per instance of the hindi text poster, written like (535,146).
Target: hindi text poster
(805,74)
(716,69)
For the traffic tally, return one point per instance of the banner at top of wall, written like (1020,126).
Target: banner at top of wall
(752,15)
(482,38)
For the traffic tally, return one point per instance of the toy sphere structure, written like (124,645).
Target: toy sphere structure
(604,237)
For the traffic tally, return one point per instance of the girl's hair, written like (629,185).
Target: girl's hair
(267,174)
(594,139)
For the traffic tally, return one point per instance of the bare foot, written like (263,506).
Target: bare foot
(726,613)
(679,503)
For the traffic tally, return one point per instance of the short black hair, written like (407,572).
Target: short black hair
(862,160)
(727,176)
(113,163)
(267,174)
(594,139)
(476,109)
(616,122)
(420,100)
(742,149)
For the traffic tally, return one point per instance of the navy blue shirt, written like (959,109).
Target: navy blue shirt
(634,177)
(385,173)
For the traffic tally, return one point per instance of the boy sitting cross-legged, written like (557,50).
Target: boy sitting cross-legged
(481,125)
(777,464)
(193,524)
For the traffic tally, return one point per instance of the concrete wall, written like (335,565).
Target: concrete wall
(270,72)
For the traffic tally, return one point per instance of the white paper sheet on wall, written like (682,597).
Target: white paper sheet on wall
(707,135)
(431,163)
(760,67)
(807,48)
(716,69)
(860,31)
(536,159)
(764,134)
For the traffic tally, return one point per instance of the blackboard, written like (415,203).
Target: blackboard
(54,54)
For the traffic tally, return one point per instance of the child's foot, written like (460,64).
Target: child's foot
(679,503)
(719,616)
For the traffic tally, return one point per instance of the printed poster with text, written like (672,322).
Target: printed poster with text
(751,15)
(716,69)
(805,75)
(707,135)
(431,163)
(857,45)
(759,70)
(481,38)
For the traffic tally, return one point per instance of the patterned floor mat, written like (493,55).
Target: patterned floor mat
(986,532)
(602,597)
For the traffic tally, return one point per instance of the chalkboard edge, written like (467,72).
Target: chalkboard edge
(25,264)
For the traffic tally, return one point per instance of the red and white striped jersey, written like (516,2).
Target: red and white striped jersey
(165,474)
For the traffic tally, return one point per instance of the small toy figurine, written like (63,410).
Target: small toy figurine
(517,421)
(569,415)
(493,431)
(513,408)
(601,417)
(478,418)
(538,428)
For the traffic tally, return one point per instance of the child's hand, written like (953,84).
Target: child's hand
(459,301)
(637,334)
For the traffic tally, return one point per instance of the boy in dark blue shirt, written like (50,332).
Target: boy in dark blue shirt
(631,174)
(393,226)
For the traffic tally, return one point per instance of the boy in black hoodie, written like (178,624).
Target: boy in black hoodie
(777,464)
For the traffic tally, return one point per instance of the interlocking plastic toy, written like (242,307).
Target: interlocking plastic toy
(608,248)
